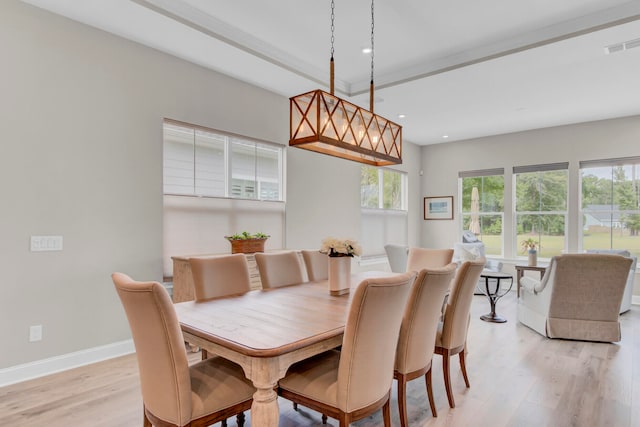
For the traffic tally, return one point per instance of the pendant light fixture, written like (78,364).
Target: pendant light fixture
(324,123)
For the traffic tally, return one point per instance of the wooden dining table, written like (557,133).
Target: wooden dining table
(266,331)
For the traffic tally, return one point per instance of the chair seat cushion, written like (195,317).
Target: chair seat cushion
(216,384)
(315,378)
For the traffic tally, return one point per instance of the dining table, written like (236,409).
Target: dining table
(266,331)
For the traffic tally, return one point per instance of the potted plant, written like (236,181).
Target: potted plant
(531,247)
(247,243)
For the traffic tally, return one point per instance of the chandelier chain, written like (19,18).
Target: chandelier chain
(333,16)
(372,48)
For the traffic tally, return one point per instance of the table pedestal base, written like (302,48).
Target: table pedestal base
(492,317)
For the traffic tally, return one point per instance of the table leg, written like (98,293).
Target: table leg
(519,274)
(264,409)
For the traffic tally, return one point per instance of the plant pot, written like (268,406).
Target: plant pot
(533,258)
(247,246)
(339,275)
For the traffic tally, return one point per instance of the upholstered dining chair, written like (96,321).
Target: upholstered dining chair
(317,265)
(352,383)
(218,276)
(174,393)
(418,333)
(451,336)
(420,258)
(279,269)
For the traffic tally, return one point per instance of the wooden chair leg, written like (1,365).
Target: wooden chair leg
(240,419)
(446,370)
(295,406)
(324,419)
(223,423)
(386,413)
(432,403)
(402,399)
(463,367)
(145,419)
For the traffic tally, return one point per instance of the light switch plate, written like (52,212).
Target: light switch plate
(46,243)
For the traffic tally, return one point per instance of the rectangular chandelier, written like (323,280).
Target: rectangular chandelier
(324,123)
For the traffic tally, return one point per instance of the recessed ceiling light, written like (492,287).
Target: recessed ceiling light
(445,136)
(401,116)
(366,50)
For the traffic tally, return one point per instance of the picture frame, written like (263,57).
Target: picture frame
(440,207)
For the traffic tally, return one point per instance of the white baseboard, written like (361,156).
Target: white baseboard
(635,300)
(40,368)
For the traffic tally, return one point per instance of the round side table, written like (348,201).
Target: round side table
(494,294)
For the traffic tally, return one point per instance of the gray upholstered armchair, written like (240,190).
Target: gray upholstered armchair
(578,297)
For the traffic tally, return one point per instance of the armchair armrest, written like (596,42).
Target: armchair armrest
(530,284)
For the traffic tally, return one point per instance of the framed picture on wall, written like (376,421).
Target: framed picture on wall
(438,207)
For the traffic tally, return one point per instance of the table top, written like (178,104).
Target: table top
(272,322)
(495,275)
(531,267)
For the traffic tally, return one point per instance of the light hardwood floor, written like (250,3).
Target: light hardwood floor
(518,378)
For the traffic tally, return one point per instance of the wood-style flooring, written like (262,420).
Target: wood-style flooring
(518,378)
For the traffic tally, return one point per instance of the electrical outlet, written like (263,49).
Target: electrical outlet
(46,243)
(35,333)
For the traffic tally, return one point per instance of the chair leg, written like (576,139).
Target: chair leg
(463,367)
(432,403)
(446,368)
(386,413)
(402,399)
(295,406)
(204,354)
(324,418)
(145,419)
(223,423)
(240,419)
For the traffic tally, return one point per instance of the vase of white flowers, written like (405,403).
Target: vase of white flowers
(340,252)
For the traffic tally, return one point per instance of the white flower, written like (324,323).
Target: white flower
(340,247)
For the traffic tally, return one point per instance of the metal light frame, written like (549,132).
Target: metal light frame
(322,122)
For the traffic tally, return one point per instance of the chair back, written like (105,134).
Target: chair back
(588,286)
(218,276)
(421,316)
(162,358)
(397,256)
(456,313)
(279,269)
(317,265)
(420,258)
(365,372)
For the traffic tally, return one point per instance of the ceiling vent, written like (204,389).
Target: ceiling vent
(619,47)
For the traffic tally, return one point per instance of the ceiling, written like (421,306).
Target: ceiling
(460,68)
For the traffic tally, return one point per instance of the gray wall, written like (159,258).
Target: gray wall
(81,157)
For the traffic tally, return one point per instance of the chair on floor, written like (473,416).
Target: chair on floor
(397,256)
(279,269)
(317,265)
(451,337)
(219,276)
(418,333)
(420,258)
(472,250)
(627,298)
(352,383)
(578,297)
(174,393)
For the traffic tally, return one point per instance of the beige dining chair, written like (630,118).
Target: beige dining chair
(174,393)
(218,276)
(420,258)
(451,336)
(317,265)
(279,269)
(352,383)
(418,333)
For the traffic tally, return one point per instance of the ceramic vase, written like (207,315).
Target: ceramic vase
(533,258)
(339,275)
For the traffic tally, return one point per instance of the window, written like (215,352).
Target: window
(204,162)
(541,206)
(482,207)
(610,205)
(383,201)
